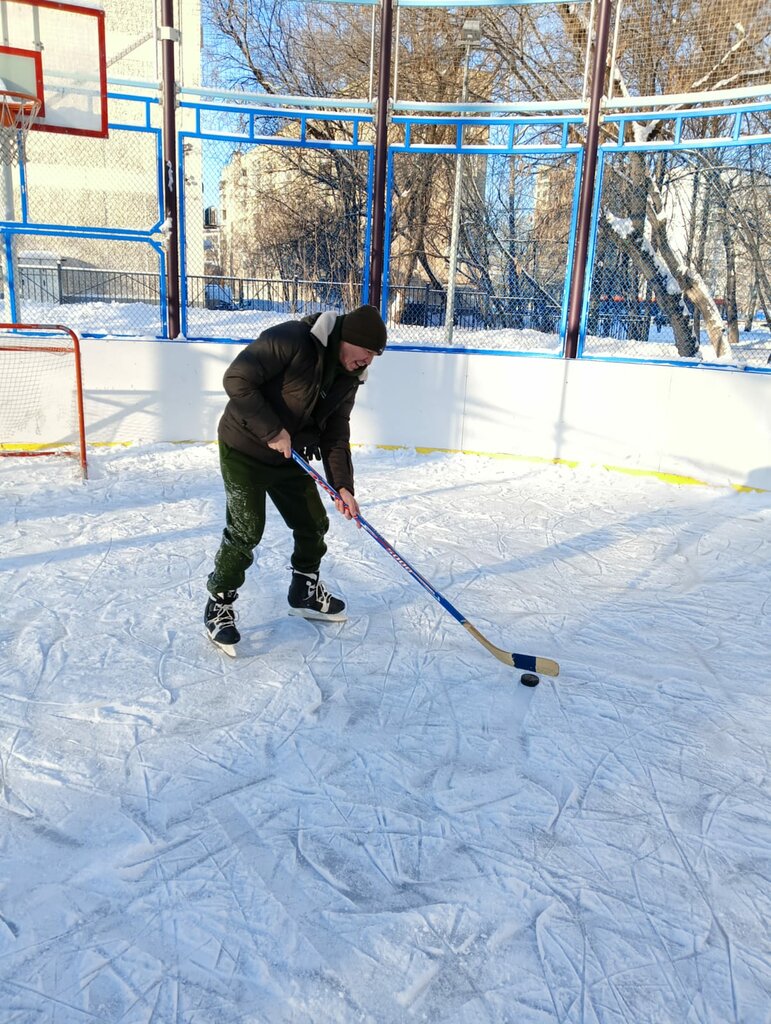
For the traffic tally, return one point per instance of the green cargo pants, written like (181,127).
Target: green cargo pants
(297,499)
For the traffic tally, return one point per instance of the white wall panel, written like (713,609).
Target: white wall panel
(709,424)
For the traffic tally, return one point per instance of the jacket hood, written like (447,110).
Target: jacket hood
(322,325)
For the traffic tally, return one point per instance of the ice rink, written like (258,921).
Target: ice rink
(374,821)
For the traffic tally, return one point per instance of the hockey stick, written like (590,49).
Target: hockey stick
(524,661)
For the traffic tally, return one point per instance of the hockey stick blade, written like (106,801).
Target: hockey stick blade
(527,662)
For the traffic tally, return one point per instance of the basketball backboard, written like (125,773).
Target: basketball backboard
(56,51)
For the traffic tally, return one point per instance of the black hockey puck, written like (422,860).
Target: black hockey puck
(529,679)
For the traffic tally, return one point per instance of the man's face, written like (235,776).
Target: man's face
(354,357)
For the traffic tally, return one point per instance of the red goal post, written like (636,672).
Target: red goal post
(41,392)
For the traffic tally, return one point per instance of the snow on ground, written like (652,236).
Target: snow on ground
(136,319)
(374,821)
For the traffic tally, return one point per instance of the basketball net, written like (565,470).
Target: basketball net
(17,112)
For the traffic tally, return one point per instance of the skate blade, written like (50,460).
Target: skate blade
(229,649)
(308,613)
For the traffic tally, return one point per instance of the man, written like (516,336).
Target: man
(294,386)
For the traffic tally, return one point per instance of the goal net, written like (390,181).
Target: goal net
(41,392)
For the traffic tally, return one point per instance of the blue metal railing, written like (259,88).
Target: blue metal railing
(537,132)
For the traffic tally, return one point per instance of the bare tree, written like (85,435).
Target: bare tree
(288,48)
(657,226)
(688,49)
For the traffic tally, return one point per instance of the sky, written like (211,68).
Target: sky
(374,821)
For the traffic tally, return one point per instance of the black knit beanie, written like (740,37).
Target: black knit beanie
(364,327)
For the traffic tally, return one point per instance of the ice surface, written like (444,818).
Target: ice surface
(373,821)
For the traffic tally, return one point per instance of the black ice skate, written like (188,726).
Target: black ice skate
(220,622)
(310,598)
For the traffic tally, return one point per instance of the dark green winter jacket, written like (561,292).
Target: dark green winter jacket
(276,382)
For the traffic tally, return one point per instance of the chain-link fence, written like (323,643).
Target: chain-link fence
(284,228)
(689,47)
(527,53)
(84,236)
(680,267)
(486,136)
(504,249)
(682,255)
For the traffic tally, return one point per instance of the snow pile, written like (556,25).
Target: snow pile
(373,821)
(623,226)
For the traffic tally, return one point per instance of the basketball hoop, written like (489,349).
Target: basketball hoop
(17,112)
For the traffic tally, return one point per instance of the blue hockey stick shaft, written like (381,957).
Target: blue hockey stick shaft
(527,662)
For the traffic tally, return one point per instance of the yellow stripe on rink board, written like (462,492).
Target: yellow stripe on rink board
(682,481)
(9,447)
(667,478)
(570,463)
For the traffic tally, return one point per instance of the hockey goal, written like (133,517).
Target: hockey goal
(41,392)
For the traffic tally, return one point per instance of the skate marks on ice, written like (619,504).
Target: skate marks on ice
(373,821)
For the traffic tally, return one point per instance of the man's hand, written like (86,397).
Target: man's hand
(352,510)
(282,443)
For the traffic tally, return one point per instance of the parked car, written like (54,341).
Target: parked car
(218,296)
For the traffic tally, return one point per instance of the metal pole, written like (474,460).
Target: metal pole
(449,313)
(396,55)
(169,36)
(586,197)
(381,153)
(614,51)
(157,21)
(6,250)
(585,87)
(371,57)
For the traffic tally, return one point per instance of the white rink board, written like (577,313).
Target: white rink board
(712,425)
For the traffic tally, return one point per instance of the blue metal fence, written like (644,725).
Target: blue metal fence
(515,238)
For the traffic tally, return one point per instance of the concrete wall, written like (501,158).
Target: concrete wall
(712,425)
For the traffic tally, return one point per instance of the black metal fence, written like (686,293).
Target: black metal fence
(475,310)
(294,296)
(63,284)
(410,306)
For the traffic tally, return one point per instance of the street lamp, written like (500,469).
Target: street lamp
(470,35)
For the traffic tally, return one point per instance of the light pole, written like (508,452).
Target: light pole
(382,116)
(588,174)
(168,36)
(471,33)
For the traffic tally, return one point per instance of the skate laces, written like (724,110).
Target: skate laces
(317,590)
(322,594)
(222,612)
